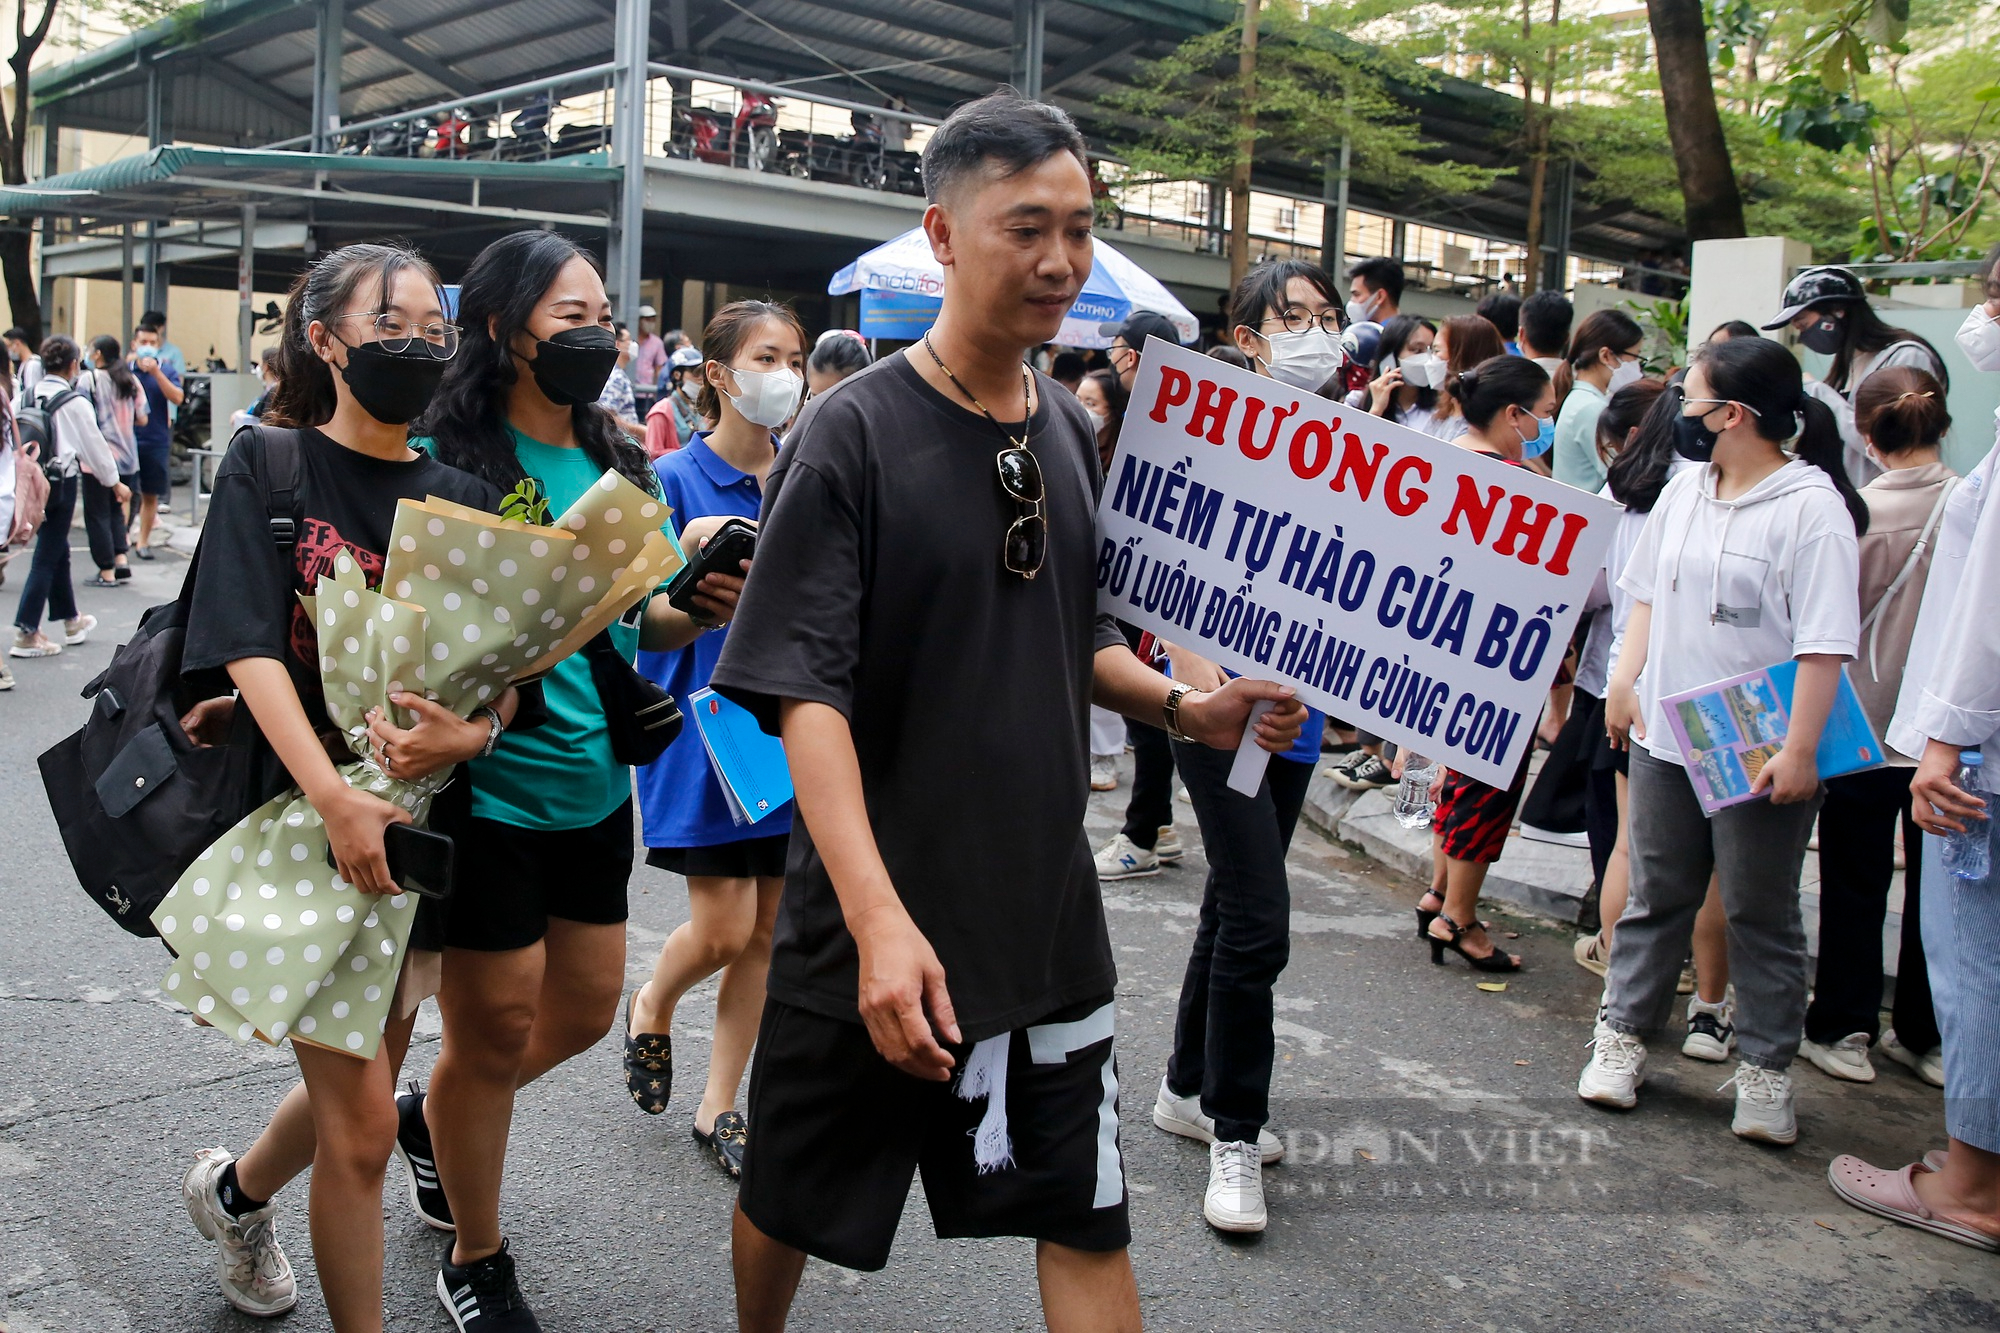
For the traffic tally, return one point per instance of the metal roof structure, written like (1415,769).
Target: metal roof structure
(244,72)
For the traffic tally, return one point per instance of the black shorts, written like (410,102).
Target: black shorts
(153,460)
(762,858)
(511,880)
(836,1133)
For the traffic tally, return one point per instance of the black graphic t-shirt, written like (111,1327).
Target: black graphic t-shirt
(246,593)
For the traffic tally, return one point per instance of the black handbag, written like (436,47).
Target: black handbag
(641,718)
(135,799)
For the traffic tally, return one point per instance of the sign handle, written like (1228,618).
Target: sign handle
(1246,775)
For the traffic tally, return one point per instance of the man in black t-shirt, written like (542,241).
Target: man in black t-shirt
(920,626)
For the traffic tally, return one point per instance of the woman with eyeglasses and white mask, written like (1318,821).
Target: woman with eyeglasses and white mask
(1746,562)
(1603,358)
(1217,1087)
(751,386)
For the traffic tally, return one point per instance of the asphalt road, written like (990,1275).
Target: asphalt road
(1442,1174)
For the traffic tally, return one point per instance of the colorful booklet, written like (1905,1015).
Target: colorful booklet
(1728,731)
(748,763)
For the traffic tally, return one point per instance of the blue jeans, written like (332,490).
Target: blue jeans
(48,586)
(1962,945)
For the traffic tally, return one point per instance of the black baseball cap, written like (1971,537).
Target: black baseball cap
(1139,326)
(1817,286)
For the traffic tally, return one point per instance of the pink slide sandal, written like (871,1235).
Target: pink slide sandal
(1890,1194)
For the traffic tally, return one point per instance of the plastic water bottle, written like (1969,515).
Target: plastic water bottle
(1413,796)
(1968,855)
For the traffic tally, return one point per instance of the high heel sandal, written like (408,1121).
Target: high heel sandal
(1426,915)
(1497,961)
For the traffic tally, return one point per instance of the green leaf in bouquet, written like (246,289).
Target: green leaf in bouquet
(526,504)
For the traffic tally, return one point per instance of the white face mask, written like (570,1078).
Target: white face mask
(1362,308)
(1099,422)
(1424,371)
(769,397)
(1303,360)
(1628,372)
(690,389)
(1979,339)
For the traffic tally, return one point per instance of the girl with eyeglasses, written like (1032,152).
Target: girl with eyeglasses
(362,348)
(734,871)
(1745,562)
(1217,1086)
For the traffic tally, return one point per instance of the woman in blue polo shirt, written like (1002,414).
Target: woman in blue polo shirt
(750,386)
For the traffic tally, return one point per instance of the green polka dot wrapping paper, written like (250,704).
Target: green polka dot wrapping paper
(270,942)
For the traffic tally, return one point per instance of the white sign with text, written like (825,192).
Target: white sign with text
(1419,590)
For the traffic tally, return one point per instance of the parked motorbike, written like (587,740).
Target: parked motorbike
(748,139)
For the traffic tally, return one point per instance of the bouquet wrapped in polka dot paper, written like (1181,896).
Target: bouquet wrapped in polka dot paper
(270,941)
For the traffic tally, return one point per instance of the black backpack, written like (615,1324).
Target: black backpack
(135,799)
(35,423)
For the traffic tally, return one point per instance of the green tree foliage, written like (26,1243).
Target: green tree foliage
(1313,87)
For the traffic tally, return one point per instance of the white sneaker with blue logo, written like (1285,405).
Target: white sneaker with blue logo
(1121,858)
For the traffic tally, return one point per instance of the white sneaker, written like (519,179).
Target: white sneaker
(1617,1067)
(1235,1197)
(1846,1058)
(6,677)
(1169,848)
(1121,858)
(1103,773)
(37,644)
(1763,1104)
(1929,1066)
(256,1277)
(1183,1116)
(78,630)
(1711,1031)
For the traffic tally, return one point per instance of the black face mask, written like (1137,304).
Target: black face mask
(1823,337)
(392,387)
(573,366)
(1692,439)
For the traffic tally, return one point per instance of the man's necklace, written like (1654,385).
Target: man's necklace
(1027,408)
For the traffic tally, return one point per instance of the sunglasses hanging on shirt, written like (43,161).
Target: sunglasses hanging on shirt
(1027,542)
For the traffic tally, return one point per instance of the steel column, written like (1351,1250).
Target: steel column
(246,282)
(627,247)
(1030,18)
(329,39)
(1333,226)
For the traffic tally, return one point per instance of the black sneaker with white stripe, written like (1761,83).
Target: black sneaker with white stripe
(413,1145)
(482,1296)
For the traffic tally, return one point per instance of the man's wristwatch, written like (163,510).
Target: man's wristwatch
(1171,711)
(492,716)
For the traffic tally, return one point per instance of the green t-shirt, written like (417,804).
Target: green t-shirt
(560,775)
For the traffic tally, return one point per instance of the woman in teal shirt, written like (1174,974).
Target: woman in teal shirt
(534,935)
(1603,358)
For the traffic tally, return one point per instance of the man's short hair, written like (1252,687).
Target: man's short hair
(1382,274)
(1003,128)
(1503,312)
(17,334)
(1067,367)
(1545,322)
(157,318)
(147,326)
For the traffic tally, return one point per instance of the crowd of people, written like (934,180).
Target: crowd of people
(95,422)
(1767,517)
(925,552)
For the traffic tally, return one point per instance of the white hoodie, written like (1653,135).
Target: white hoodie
(1740,584)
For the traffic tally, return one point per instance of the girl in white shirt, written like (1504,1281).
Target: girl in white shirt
(1747,562)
